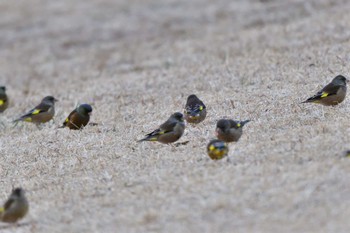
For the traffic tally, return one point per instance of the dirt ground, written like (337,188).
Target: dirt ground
(136,62)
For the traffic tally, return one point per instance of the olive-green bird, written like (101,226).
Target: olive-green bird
(170,131)
(79,117)
(195,110)
(15,208)
(217,149)
(4,102)
(42,113)
(229,130)
(332,94)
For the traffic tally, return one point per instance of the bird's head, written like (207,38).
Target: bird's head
(84,109)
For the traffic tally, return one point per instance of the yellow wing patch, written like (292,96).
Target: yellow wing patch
(238,125)
(36,111)
(212,147)
(324,94)
(2,209)
(28,119)
(200,108)
(67,120)
(2,102)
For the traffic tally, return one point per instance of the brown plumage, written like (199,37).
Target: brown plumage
(79,117)
(195,110)
(229,130)
(332,94)
(42,113)
(15,208)
(170,131)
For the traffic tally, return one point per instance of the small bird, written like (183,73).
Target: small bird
(217,149)
(15,208)
(195,110)
(4,102)
(79,117)
(170,131)
(229,130)
(42,113)
(347,153)
(332,94)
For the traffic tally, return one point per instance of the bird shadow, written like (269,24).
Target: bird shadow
(8,226)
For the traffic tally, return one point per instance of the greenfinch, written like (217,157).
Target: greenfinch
(195,110)
(79,117)
(170,131)
(42,113)
(229,130)
(15,208)
(332,94)
(217,149)
(4,102)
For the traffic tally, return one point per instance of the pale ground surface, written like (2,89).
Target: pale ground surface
(136,62)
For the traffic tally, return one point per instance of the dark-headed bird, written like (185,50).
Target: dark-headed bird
(217,149)
(195,110)
(332,94)
(42,113)
(229,130)
(170,131)
(79,117)
(15,208)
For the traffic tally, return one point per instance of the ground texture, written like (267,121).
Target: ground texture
(136,62)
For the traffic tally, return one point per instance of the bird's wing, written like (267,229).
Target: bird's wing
(234,124)
(167,126)
(195,109)
(3,99)
(8,203)
(69,117)
(328,90)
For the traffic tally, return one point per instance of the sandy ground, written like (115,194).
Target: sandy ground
(136,62)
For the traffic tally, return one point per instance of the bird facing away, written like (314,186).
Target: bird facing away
(79,117)
(4,102)
(229,130)
(15,208)
(217,149)
(332,94)
(170,131)
(42,113)
(195,110)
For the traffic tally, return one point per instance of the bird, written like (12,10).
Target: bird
(347,153)
(79,117)
(217,149)
(4,102)
(15,208)
(195,110)
(229,130)
(332,94)
(42,113)
(168,132)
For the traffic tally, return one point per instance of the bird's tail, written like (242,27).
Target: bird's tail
(244,122)
(309,100)
(15,122)
(151,138)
